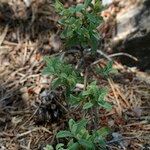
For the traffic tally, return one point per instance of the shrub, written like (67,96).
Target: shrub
(79,24)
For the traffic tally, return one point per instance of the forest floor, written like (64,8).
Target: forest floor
(26,35)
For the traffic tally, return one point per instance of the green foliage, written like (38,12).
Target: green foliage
(79,138)
(58,147)
(79,29)
(93,96)
(65,74)
(107,70)
(79,23)
(49,147)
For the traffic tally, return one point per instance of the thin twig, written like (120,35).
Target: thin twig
(123,54)
(13,113)
(64,108)
(53,138)
(33,130)
(104,55)
(32,116)
(119,108)
(3,35)
(85,78)
(5,134)
(113,55)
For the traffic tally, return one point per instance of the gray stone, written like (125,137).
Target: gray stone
(106,2)
(133,33)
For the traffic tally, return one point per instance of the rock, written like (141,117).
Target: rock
(132,34)
(106,2)
(27,2)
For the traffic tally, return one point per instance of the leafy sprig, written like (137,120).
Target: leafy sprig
(79,138)
(64,74)
(92,97)
(79,23)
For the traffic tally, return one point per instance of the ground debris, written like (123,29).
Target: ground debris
(49,109)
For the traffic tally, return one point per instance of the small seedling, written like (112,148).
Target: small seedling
(106,70)
(93,96)
(64,74)
(80,23)
(79,138)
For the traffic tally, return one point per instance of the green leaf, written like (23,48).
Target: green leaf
(53,65)
(87,105)
(74,129)
(71,10)
(102,94)
(71,123)
(68,33)
(60,146)
(92,18)
(79,7)
(58,6)
(74,100)
(46,71)
(72,20)
(101,143)
(74,146)
(71,141)
(94,42)
(48,147)
(108,67)
(87,144)
(62,21)
(64,134)
(85,134)
(81,125)
(97,6)
(99,140)
(92,90)
(106,70)
(104,131)
(87,3)
(105,105)
(56,82)
(85,93)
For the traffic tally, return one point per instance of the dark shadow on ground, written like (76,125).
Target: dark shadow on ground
(34,21)
(10,102)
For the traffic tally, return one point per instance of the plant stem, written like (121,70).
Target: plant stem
(96,117)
